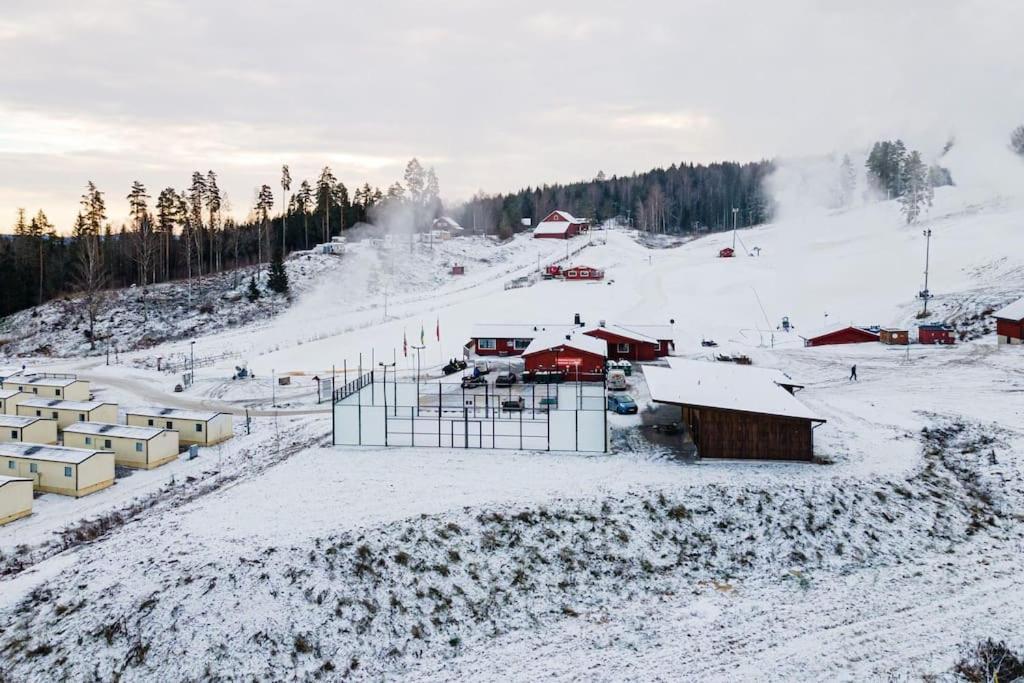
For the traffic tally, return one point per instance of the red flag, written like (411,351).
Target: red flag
(405,345)
(438,329)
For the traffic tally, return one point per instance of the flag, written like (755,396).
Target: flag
(423,338)
(438,329)
(405,345)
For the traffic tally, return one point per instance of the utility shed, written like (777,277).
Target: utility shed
(50,386)
(1010,323)
(142,447)
(15,498)
(55,469)
(9,400)
(844,334)
(894,336)
(27,429)
(736,412)
(202,428)
(68,412)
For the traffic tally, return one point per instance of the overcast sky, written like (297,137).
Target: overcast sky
(495,95)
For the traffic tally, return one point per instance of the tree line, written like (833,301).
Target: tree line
(189,233)
(682,198)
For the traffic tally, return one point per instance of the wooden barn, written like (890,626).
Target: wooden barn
(583,273)
(577,356)
(894,336)
(736,412)
(628,344)
(846,334)
(935,334)
(560,225)
(1010,323)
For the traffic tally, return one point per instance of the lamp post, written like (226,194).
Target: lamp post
(385,367)
(192,363)
(927,253)
(418,349)
(735,212)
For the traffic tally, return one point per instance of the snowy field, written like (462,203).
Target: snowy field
(431,564)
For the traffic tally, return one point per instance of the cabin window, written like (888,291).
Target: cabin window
(584,273)
(53,415)
(14,434)
(199,426)
(150,422)
(35,390)
(138,446)
(11,465)
(39,413)
(622,348)
(106,443)
(81,417)
(522,344)
(571,273)
(33,468)
(67,471)
(170,425)
(88,441)
(57,392)
(487,344)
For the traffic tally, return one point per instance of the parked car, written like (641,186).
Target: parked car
(623,404)
(505,379)
(616,380)
(473,381)
(516,403)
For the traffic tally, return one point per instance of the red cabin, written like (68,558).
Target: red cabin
(560,225)
(553,271)
(1010,323)
(458,270)
(848,334)
(935,334)
(728,252)
(577,356)
(583,273)
(625,344)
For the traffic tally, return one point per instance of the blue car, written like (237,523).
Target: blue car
(623,404)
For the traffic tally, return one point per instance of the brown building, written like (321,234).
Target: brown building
(893,336)
(737,412)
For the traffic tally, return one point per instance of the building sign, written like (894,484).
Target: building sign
(569,362)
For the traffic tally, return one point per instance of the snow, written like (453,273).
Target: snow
(176,413)
(575,340)
(515,330)
(61,404)
(40,380)
(1014,311)
(726,386)
(274,556)
(74,456)
(17,421)
(128,432)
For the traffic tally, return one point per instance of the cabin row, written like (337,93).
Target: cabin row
(71,447)
(854,334)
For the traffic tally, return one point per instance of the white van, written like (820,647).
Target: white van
(616,380)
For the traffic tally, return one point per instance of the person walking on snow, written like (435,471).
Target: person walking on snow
(853,374)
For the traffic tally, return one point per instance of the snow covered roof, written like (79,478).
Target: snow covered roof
(17,421)
(551,228)
(724,386)
(8,393)
(8,480)
(59,404)
(175,413)
(40,380)
(124,431)
(771,374)
(821,332)
(447,223)
(622,332)
(33,451)
(659,332)
(581,342)
(515,330)
(1014,311)
(563,216)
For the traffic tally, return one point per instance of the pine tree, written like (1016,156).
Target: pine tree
(303,202)
(1017,140)
(277,280)
(286,184)
(254,291)
(325,199)
(213,200)
(917,190)
(264,203)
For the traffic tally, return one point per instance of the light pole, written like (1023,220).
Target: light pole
(418,349)
(385,367)
(927,253)
(273,389)
(192,371)
(735,212)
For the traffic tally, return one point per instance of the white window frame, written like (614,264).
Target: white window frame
(138,447)
(488,344)
(622,347)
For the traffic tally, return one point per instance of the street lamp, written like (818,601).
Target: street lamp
(927,253)
(192,371)
(418,349)
(735,212)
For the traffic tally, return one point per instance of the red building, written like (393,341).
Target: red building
(579,357)
(626,344)
(848,334)
(728,252)
(560,225)
(508,340)
(583,273)
(935,334)
(1010,323)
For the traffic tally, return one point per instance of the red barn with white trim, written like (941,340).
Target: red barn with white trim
(625,344)
(560,225)
(1010,323)
(583,273)
(935,334)
(578,356)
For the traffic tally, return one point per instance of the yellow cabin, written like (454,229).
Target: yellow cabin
(15,498)
(193,426)
(65,387)
(56,469)
(9,400)
(142,447)
(28,429)
(68,412)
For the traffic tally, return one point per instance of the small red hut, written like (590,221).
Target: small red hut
(935,334)
(728,252)
(583,273)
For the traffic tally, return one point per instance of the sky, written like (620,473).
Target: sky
(495,95)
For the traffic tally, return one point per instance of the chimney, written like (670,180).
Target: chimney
(576,320)
(568,337)
(600,324)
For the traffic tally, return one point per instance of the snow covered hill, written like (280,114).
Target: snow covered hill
(279,557)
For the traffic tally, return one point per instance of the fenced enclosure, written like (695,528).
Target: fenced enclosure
(372,411)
